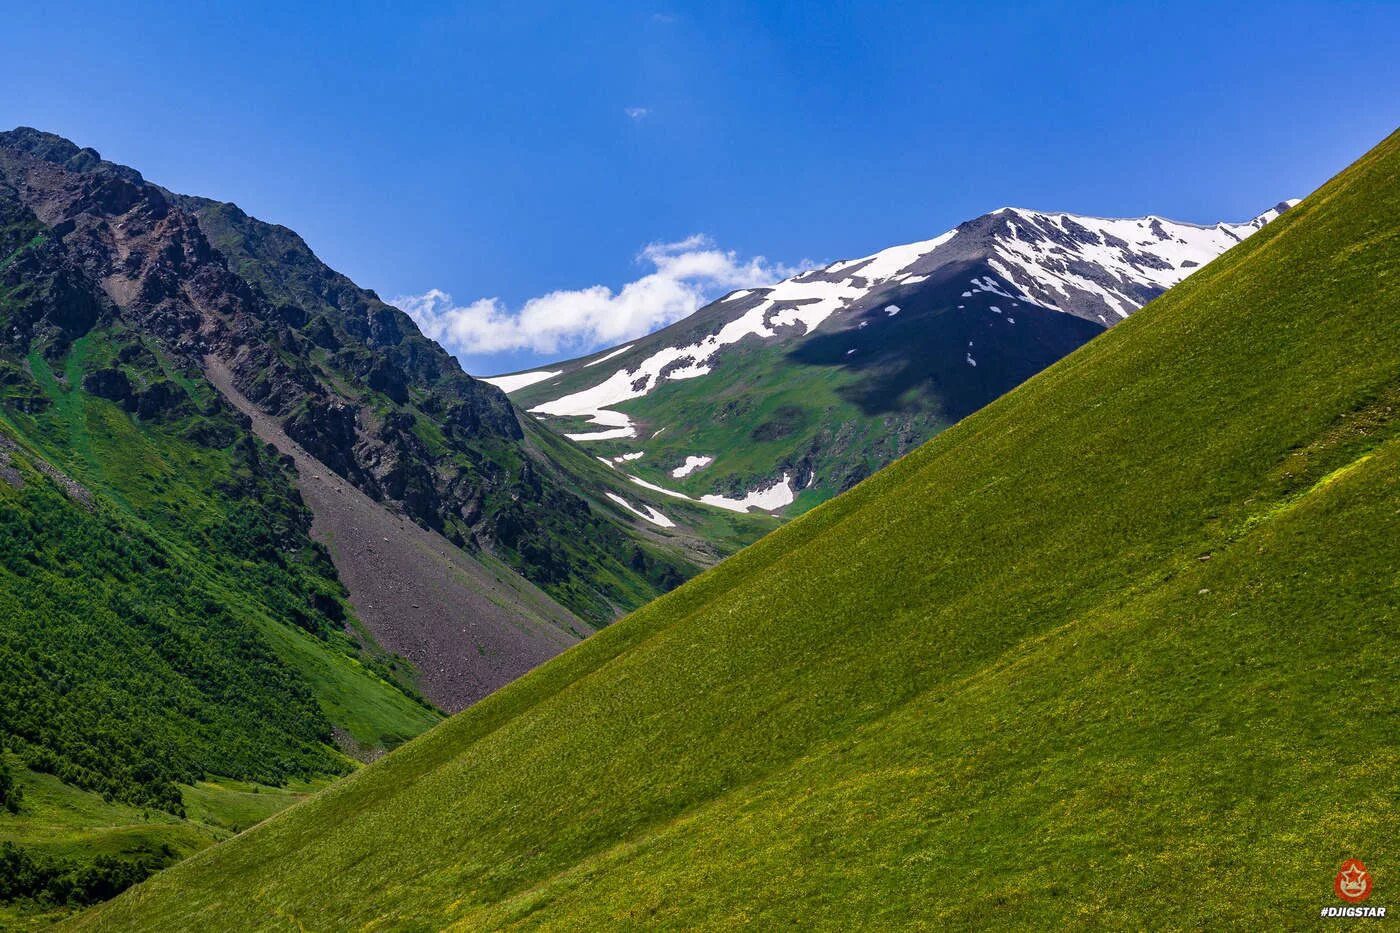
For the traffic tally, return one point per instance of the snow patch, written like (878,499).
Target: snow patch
(692,463)
(767,498)
(510,384)
(661,489)
(614,434)
(646,512)
(603,359)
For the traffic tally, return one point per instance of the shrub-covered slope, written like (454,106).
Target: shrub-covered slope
(1118,649)
(164,617)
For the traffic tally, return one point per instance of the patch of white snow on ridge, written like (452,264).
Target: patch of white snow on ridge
(773,497)
(603,359)
(692,463)
(891,310)
(801,303)
(646,512)
(614,434)
(1137,252)
(590,402)
(661,489)
(509,384)
(890,262)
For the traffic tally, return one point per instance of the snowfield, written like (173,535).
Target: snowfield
(692,463)
(646,512)
(510,384)
(773,497)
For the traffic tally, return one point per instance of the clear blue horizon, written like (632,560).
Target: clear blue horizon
(536,180)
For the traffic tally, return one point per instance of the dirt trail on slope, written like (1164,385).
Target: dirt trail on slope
(469,628)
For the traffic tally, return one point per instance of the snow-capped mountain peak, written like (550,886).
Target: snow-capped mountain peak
(1103,268)
(1029,285)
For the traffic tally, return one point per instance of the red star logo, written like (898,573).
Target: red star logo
(1353,882)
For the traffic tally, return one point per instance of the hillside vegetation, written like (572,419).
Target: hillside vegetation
(166,622)
(1117,650)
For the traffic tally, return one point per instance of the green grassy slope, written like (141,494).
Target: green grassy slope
(59,824)
(1117,650)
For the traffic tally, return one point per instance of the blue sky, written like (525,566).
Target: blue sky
(512,151)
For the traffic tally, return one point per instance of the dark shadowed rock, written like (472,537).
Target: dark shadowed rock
(111,384)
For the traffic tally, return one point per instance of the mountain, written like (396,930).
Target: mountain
(177,653)
(349,387)
(1116,650)
(254,527)
(778,398)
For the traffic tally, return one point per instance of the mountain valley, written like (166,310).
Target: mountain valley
(1117,649)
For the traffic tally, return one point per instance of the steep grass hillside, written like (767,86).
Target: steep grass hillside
(1117,650)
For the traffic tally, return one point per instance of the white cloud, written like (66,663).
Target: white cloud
(687,274)
(636,113)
